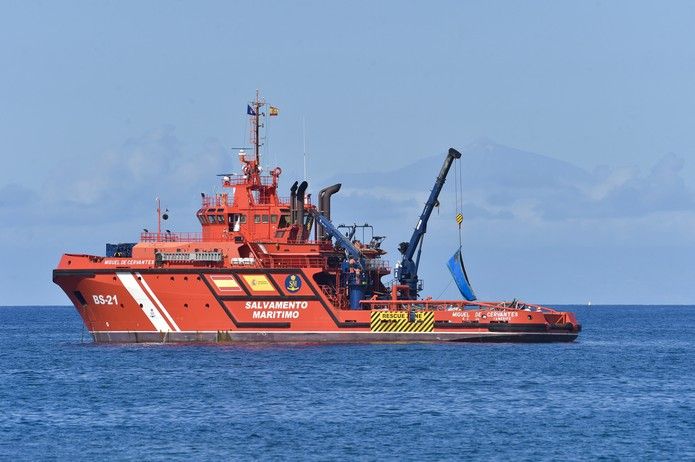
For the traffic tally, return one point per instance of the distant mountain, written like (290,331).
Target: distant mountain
(553,230)
(484,162)
(500,181)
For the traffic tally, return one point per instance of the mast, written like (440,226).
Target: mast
(257,141)
(254,109)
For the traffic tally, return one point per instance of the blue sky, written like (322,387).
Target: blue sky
(576,121)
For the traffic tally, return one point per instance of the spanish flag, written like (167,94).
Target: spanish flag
(274,111)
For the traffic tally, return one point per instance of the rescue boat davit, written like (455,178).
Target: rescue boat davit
(269,269)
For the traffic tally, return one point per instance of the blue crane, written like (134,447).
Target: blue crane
(357,287)
(334,232)
(406,272)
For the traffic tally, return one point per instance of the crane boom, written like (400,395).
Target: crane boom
(334,232)
(407,271)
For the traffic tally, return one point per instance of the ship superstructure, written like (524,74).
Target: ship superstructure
(270,268)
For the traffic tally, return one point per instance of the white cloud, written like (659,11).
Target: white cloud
(121,184)
(516,206)
(499,182)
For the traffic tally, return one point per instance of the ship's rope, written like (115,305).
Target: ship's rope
(456,185)
(444,290)
(458,179)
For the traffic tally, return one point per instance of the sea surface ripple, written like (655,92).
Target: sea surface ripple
(624,391)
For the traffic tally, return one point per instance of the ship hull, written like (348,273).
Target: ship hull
(252,305)
(329,337)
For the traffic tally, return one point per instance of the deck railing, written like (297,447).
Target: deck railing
(292,261)
(236,180)
(438,305)
(223,200)
(377,263)
(218,200)
(171,237)
(285,201)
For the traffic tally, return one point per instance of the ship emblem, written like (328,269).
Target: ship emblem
(293,283)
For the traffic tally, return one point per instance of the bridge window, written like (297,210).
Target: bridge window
(236,218)
(265,218)
(284,221)
(256,218)
(201,218)
(211,219)
(273,218)
(220,218)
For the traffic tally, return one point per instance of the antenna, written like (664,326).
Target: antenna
(304,143)
(256,139)
(254,110)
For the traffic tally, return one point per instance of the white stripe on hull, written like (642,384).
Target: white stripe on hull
(151,311)
(156,300)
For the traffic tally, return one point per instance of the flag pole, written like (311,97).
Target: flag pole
(159,220)
(257,144)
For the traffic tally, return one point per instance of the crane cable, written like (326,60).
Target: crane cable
(456,187)
(459,195)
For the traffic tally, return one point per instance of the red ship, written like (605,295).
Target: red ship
(270,269)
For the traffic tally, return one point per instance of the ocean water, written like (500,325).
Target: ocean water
(624,391)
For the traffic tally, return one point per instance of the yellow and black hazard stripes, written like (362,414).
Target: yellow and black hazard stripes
(402,321)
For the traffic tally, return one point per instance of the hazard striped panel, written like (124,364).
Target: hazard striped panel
(399,321)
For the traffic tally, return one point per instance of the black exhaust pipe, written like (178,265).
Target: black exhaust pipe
(293,201)
(300,207)
(325,205)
